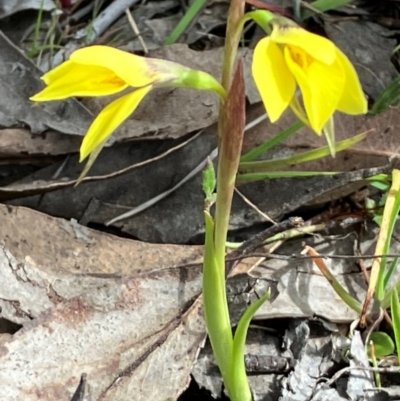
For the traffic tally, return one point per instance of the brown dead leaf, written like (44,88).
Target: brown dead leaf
(19,79)
(369,47)
(9,8)
(154,30)
(92,303)
(21,143)
(65,247)
(116,331)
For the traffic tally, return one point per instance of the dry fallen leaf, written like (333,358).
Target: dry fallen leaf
(92,303)
(8,8)
(19,79)
(369,47)
(19,143)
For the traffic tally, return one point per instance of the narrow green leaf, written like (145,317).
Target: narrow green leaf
(389,218)
(340,290)
(389,97)
(390,271)
(303,157)
(237,374)
(282,174)
(382,186)
(395,311)
(324,5)
(209,180)
(264,147)
(194,9)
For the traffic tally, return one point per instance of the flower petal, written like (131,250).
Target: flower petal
(353,100)
(135,70)
(321,86)
(110,118)
(316,46)
(274,80)
(71,79)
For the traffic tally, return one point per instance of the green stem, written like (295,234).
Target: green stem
(230,130)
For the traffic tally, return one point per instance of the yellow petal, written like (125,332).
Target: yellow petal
(109,119)
(71,79)
(272,77)
(321,86)
(316,46)
(135,70)
(353,100)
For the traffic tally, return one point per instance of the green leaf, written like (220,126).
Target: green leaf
(324,5)
(340,290)
(382,186)
(395,310)
(383,344)
(237,373)
(215,305)
(282,174)
(264,147)
(194,10)
(303,157)
(389,218)
(209,180)
(390,271)
(389,97)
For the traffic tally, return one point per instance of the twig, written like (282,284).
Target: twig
(340,373)
(136,30)
(257,240)
(164,194)
(253,206)
(197,169)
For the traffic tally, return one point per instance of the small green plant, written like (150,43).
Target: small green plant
(37,48)
(382,292)
(292,68)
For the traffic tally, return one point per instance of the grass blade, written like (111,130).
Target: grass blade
(303,157)
(185,21)
(264,147)
(395,310)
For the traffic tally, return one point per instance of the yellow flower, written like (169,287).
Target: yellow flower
(291,57)
(102,70)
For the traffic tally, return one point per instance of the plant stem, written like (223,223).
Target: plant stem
(230,131)
(226,173)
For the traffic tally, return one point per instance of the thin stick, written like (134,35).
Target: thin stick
(136,30)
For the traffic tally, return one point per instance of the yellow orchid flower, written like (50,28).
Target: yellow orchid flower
(103,70)
(292,57)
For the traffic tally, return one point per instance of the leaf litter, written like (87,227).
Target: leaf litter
(124,315)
